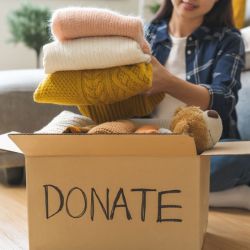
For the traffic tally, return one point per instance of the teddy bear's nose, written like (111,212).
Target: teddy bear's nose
(212,114)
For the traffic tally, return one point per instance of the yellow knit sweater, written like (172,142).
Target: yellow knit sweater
(135,106)
(104,94)
(92,87)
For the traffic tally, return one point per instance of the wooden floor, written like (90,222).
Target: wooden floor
(227,229)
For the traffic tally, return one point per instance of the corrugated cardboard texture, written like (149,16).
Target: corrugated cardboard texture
(179,195)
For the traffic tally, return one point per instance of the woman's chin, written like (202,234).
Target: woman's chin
(189,14)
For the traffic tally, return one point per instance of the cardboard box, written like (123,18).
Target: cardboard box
(137,192)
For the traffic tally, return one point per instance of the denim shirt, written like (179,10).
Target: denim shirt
(214,59)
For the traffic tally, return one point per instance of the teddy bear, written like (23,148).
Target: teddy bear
(204,126)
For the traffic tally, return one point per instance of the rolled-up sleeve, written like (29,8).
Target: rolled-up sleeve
(225,83)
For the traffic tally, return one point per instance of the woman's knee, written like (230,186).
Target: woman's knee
(229,171)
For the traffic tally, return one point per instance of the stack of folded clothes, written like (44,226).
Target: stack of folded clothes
(100,62)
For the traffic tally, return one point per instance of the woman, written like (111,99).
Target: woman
(198,59)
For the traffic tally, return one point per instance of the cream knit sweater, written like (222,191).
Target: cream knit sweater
(92,53)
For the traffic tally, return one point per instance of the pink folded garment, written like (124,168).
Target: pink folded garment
(77,22)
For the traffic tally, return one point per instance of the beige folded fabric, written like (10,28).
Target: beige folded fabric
(116,127)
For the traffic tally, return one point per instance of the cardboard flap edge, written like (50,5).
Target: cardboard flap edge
(229,148)
(7,144)
(104,145)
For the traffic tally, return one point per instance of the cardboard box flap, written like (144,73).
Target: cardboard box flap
(105,145)
(229,148)
(7,144)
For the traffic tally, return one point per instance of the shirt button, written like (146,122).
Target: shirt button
(189,52)
(188,77)
(190,38)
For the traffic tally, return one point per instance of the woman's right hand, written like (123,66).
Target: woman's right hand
(160,78)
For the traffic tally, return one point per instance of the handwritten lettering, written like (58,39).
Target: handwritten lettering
(104,203)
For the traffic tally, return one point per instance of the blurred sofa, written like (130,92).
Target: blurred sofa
(19,113)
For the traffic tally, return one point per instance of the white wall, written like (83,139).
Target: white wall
(18,56)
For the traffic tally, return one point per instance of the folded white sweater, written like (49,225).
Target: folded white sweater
(63,120)
(92,53)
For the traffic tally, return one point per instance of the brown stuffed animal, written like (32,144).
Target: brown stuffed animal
(204,126)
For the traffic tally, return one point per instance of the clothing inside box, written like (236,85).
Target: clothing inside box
(68,119)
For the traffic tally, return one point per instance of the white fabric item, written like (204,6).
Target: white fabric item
(64,120)
(238,197)
(245,32)
(92,53)
(215,128)
(176,65)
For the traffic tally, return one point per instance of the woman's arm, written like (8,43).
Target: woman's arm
(221,93)
(191,94)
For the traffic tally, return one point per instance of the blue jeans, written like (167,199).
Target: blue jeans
(229,171)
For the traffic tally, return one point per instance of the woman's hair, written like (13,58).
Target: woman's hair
(221,15)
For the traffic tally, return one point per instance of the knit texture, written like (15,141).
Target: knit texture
(92,87)
(92,53)
(77,22)
(117,127)
(135,106)
(63,120)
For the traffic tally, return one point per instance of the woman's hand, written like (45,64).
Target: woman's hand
(165,82)
(160,78)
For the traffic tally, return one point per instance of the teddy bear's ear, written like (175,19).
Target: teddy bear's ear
(181,127)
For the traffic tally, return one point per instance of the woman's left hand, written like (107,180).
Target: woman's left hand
(160,78)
